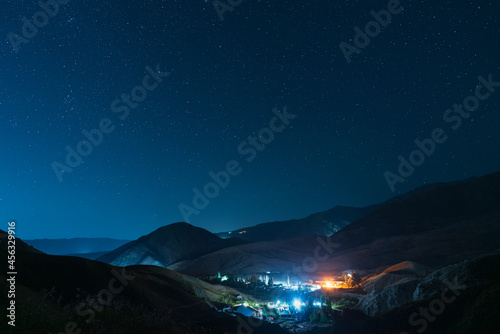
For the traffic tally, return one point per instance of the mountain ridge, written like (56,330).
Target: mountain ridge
(450,221)
(67,246)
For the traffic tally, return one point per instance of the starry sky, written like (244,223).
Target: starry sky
(351,120)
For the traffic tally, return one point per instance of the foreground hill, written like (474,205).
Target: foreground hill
(456,299)
(168,245)
(321,223)
(54,293)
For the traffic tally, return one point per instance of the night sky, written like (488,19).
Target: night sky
(347,121)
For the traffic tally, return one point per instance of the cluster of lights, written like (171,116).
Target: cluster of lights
(298,304)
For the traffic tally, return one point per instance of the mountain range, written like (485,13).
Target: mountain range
(452,222)
(407,251)
(76,245)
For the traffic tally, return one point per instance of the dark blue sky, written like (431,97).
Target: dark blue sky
(352,121)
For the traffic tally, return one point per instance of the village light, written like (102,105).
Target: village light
(296,303)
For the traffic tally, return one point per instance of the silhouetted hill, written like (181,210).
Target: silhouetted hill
(321,223)
(427,210)
(20,245)
(435,227)
(168,245)
(54,292)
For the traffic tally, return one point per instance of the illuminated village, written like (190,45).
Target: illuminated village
(289,301)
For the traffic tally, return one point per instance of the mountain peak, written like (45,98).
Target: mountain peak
(167,245)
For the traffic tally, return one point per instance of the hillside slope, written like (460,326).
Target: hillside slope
(95,297)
